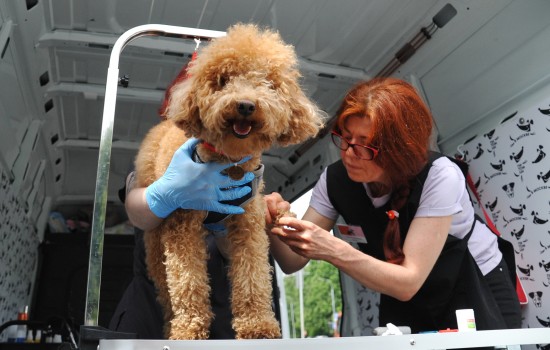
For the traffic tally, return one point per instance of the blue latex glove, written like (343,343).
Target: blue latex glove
(198,186)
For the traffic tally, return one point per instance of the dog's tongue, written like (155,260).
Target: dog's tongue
(242,127)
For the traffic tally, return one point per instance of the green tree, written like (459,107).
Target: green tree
(322,295)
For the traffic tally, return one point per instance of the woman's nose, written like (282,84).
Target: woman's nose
(351,152)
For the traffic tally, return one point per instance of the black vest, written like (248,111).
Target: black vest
(455,281)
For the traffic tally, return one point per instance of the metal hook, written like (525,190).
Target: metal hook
(198,42)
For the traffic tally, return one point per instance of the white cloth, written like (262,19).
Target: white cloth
(444,194)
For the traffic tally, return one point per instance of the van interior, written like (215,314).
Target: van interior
(482,67)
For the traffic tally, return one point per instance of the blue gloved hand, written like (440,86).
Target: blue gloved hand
(198,186)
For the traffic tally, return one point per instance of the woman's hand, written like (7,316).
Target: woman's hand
(275,207)
(187,184)
(293,241)
(307,239)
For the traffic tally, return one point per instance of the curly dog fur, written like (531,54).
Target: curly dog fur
(242,96)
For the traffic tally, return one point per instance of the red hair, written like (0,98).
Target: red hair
(401,125)
(182,75)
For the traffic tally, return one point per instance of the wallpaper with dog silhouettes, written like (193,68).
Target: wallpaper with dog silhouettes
(18,252)
(511,173)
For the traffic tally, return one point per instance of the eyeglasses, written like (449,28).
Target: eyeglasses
(361,151)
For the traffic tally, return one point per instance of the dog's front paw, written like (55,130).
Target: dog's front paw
(195,329)
(282,214)
(257,329)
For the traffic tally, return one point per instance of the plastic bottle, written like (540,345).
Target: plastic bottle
(12,333)
(30,338)
(38,336)
(48,334)
(22,328)
(57,338)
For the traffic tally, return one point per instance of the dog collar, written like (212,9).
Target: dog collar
(236,172)
(211,147)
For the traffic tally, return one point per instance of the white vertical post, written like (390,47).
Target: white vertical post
(301,293)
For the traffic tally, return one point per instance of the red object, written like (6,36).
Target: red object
(182,75)
(392,214)
(211,147)
(448,330)
(23,315)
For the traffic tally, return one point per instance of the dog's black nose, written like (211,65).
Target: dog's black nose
(245,107)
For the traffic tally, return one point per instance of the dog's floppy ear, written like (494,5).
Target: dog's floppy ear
(305,122)
(183,110)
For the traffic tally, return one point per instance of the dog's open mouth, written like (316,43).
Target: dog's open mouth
(242,128)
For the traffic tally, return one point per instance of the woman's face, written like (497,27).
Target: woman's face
(356,130)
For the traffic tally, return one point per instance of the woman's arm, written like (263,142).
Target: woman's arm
(288,260)
(291,261)
(185,184)
(422,247)
(137,208)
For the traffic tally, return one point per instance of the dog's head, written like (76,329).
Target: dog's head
(243,95)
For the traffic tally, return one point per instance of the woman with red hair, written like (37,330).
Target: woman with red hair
(422,246)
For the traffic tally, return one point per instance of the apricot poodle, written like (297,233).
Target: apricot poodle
(241,97)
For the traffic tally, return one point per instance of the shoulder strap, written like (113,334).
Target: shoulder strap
(419,179)
(504,245)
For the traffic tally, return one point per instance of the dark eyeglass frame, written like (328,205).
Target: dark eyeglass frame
(340,141)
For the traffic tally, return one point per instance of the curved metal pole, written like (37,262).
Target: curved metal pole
(102,179)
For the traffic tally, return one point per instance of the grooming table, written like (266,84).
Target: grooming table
(499,338)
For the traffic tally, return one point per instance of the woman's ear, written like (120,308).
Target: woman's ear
(183,110)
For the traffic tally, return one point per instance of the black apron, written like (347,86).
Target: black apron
(455,281)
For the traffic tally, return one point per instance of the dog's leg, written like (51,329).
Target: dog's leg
(183,240)
(250,274)
(157,273)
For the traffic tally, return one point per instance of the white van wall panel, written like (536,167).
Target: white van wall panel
(30,62)
(23,165)
(75,181)
(504,57)
(31,171)
(139,64)
(144,71)
(309,26)
(348,45)
(14,116)
(134,120)
(91,66)
(36,195)
(81,118)
(50,132)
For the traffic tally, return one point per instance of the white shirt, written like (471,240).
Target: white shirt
(444,193)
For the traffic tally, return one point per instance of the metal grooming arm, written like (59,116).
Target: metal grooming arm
(100,199)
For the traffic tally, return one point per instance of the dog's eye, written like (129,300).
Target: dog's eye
(222,80)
